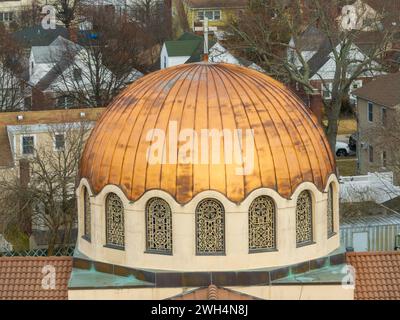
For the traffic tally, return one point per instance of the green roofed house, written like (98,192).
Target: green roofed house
(187,48)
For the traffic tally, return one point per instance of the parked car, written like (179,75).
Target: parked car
(353,142)
(342,149)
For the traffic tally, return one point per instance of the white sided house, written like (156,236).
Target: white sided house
(317,53)
(63,67)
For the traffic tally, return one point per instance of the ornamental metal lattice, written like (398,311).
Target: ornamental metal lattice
(262,224)
(330,211)
(210,228)
(115,233)
(159,226)
(87,213)
(304,218)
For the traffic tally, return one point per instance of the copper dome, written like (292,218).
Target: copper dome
(290,147)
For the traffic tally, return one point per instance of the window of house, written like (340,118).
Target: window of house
(165,61)
(371,154)
(27,103)
(304,230)
(158,226)
(262,224)
(28,145)
(210,228)
(384,159)
(6,16)
(59,141)
(77,74)
(65,102)
(384,116)
(326,90)
(213,15)
(370,112)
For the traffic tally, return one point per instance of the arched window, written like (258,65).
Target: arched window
(210,228)
(115,232)
(330,212)
(159,226)
(304,232)
(87,214)
(262,224)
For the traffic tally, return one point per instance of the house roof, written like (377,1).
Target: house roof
(61,53)
(21,278)
(311,39)
(393,204)
(385,90)
(188,45)
(38,117)
(37,36)
(179,48)
(377,275)
(198,4)
(366,221)
(384,5)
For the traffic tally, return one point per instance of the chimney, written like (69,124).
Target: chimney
(73,33)
(316,104)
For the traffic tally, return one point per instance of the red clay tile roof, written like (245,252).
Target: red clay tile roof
(377,275)
(21,278)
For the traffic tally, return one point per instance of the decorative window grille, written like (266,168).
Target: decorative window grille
(262,224)
(159,226)
(331,229)
(87,213)
(115,233)
(304,219)
(210,228)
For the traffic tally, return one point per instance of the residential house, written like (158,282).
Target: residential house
(190,48)
(22,133)
(370,15)
(317,52)
(58,70)
(9,9)
(378,104)
(218,12)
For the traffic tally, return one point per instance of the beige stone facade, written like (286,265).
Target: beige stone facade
(295,292)
(184,258)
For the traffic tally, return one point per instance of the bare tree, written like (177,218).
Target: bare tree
(269,33)
(11,85)
(48,199)
(67,10)
(108,58)
(28,16)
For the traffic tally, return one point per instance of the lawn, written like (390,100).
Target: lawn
(346,126)
(347,167)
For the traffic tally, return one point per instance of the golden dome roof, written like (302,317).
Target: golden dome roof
(290,147)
